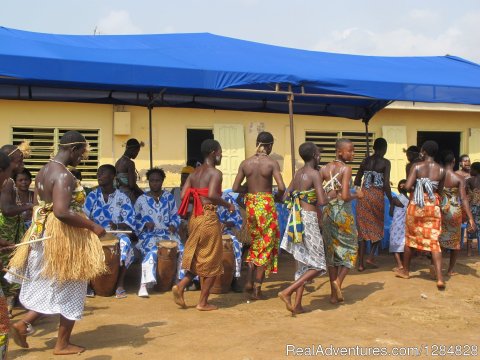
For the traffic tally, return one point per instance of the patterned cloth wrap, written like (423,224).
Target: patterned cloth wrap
(340,234)
(117,209)
(236,218)
(203,253)
(370,214)
(397,229)
(163,214)
(474,201)
(4,326)
(12,229)
(372,179)
(424,221)
(451,219)
(424,186)
(296,228)
(309,253)
(262,225)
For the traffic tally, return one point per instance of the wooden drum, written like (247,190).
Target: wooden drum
(167,264)
(223,282)
(105,285)
(242,235)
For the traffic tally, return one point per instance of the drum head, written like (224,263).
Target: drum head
(109,242)
(169,244)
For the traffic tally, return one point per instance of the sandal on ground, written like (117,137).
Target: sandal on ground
(120,294)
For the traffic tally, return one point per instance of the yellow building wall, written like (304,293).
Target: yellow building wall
(169,128)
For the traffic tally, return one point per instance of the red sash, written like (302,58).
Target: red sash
(197,202)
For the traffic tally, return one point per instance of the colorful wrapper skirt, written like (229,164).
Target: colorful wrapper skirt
(203,250)
(474,201)
(370,214)
(340,234)
(451,220)
(424,225)
(262,226)
(4,326)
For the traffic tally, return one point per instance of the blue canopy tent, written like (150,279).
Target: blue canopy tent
(210,71)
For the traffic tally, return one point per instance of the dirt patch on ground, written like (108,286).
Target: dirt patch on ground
(380,310)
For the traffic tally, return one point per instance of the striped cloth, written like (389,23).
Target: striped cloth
(424,185)
(203,250)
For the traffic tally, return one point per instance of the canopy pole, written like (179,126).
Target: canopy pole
(292,133)
(367,137)
(150,140)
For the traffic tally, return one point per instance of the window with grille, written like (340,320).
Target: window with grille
(326,141)
(44,143)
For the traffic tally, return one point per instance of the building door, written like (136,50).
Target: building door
(195,137)
(396,137)
(474,145)
(446,140)
(232,139)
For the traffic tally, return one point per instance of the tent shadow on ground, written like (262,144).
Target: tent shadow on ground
(352,294)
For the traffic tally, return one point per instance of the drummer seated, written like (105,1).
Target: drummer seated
(156,220)
(112,209)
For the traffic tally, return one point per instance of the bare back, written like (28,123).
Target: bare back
(453,180)
(260,170)
(307,178)
(426,169)
(124,164)
(344,176)
(205,177)
(50,176)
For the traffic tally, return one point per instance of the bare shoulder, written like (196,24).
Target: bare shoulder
(7,186)
(458,178)
(273,162)
(217,172)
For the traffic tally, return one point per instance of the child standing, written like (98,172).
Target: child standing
(339,230)
(397,229)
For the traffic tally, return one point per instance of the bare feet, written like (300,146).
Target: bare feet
(208,307)
(68,350)
(19,332)
(178,297)
(402,274)
(333,299)
(299,310)
(338,291)
(397,268)
(257,293)
(452,273)
(287,300)
(371,263)
(441,285)
(360,268)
